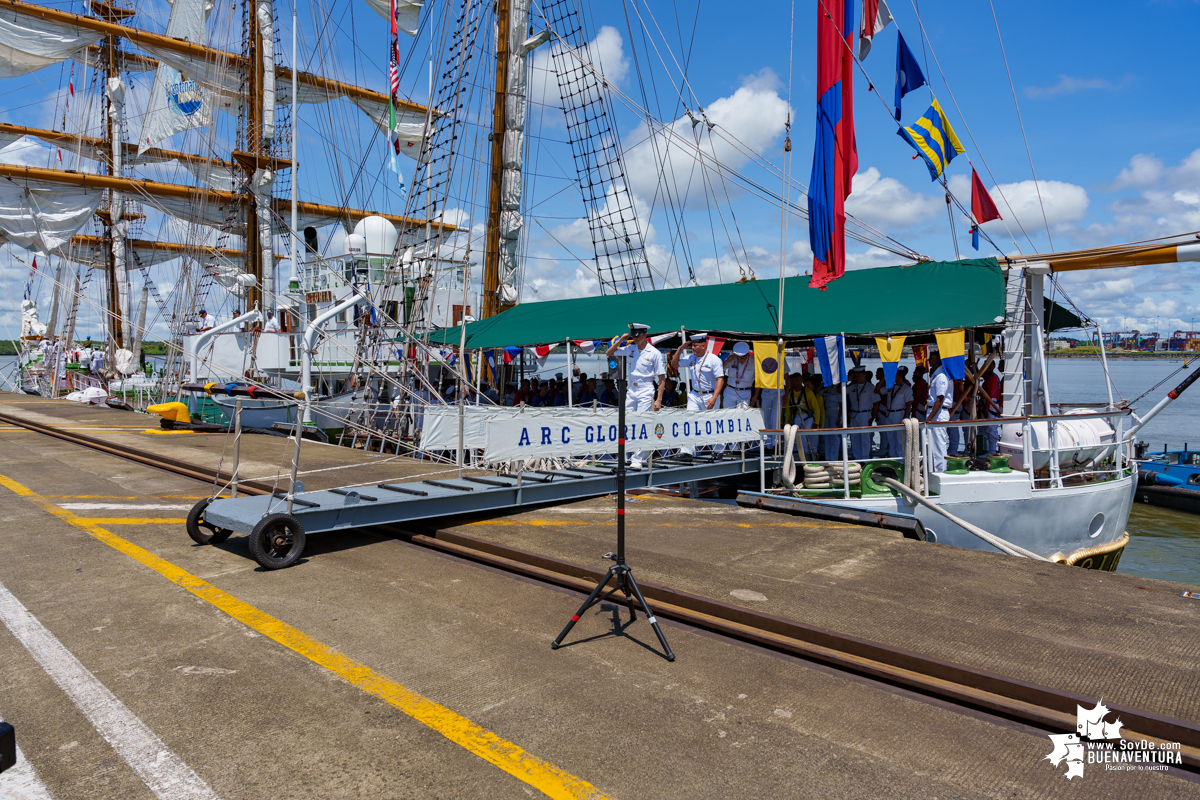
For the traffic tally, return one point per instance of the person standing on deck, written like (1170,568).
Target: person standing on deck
(205,322)
(706,378)
(812,413)
(831,395)
(644,366)
(920,389)
(272,323)
(860,410)
(739,377)
(941,395)
(895,404)
(990,399)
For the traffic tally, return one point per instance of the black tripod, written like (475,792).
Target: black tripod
(621,571)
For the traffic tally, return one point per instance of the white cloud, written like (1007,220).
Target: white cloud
(886,201)
(1070,85)
(1143,172)
(1106,290)
(606,54)
(1064,203)
(668,161)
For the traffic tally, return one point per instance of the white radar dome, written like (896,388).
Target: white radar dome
(356,244)
(380,235)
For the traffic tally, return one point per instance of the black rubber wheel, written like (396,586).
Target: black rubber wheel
(201,531)
(277,541)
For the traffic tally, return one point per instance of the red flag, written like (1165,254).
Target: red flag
(835,154)
(981,202)
(715,345)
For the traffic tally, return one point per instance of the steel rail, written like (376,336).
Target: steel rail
(140,456)
(960,684)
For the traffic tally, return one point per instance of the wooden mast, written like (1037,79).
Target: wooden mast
(113,132)
(254,144)
(491,264)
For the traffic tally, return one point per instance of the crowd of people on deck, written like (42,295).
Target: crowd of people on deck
(654,382)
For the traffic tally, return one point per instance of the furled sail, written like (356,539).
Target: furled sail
(43,216)
(178,103)
(511,221)
(28,43)
(408,13)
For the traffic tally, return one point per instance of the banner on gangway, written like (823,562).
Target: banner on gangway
(585,432)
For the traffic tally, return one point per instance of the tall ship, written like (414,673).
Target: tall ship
(374,313)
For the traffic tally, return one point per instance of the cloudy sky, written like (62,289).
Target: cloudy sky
(1106,98)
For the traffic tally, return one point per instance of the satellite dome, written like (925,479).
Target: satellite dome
(356,244)
(380,235)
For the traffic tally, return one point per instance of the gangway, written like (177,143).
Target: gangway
(277,536)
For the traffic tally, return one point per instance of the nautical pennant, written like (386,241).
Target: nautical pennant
(856,355)
(511,354)
(921,355)
(835,155)
(982,207)
(831,358)
(933,139)
(908,72)
(768,373)
(890,349)
(876,17)
(952,349)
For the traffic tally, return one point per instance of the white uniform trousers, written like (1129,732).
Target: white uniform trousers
(955,435)
(939,440)
(833,445)
(771,399)
(731,397)
(639,398)
(860,443)
(699,402)
(892,442)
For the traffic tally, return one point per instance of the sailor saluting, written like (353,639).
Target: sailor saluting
(644,366)
(706,376)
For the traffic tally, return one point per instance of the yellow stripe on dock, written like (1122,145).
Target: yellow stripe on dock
(541,775)
(131,520)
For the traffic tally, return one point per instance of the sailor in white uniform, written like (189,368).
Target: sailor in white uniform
(706,377)
(739,377)
(860,402)
(644,365)
(941,400)
(894,405)
(272,324)
(831,396)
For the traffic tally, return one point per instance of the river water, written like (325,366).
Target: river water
(1164,544)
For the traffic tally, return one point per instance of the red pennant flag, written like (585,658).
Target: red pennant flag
(715,345)
(981,202)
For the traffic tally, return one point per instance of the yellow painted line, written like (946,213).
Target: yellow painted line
(540,522)
(541,775)
(193,433)
(132,520)
(93,496)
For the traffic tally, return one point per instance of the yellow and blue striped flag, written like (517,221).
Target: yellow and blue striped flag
(933,139)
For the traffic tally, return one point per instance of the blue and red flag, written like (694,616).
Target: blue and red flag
(835,155)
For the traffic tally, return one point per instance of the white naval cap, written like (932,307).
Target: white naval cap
(741,349)
(638,327)
(698,337)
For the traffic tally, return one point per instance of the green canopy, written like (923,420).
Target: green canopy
(929,296)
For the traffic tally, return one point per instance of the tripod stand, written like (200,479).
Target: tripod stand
(619,571)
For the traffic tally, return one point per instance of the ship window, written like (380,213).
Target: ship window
(1194,480)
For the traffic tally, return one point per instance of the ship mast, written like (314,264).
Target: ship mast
(254,144)
(491,265)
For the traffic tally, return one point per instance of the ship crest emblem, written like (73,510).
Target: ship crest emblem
(658,430)
(184,97)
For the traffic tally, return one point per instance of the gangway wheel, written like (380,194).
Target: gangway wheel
(277,541)
(204,532)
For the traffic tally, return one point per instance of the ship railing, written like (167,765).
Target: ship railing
(1120,451)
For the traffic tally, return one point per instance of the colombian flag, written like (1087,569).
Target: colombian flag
(889,352)
(952,349)
(835,155)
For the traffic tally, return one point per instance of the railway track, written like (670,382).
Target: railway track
(1043,706)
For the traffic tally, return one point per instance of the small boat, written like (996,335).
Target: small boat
(1171,479)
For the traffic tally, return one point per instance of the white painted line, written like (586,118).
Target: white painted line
(22,781)
(122,507)
(161,770)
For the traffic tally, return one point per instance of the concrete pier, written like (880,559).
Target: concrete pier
(375,668)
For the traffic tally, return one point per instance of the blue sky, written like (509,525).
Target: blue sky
(1107,97)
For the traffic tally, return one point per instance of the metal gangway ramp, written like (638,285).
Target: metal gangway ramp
(277,532)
